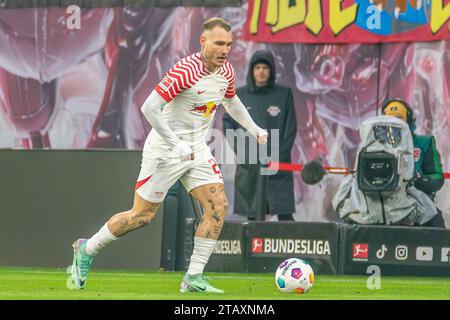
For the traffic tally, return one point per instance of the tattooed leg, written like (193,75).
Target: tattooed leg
(215,205)
(140,215)
(214,202)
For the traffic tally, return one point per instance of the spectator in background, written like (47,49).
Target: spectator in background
(272,107)
(428,177)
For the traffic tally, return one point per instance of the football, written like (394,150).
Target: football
(294,276)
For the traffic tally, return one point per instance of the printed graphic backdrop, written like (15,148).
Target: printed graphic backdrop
(348,21)
(72,89)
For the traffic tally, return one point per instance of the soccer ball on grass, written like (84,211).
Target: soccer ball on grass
(294,276)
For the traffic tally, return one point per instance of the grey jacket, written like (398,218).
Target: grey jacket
(385,207)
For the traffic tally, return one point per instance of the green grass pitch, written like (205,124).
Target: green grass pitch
(49,284)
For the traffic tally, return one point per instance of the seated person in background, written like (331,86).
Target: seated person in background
(271,105)
(381,190)
(428,174)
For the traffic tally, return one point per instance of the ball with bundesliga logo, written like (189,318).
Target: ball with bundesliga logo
(294,276)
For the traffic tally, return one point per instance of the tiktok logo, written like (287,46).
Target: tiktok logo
(382,252)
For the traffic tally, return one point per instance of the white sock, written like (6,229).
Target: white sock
(203,249)
(99,240)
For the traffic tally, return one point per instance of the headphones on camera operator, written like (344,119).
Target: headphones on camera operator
(399,108)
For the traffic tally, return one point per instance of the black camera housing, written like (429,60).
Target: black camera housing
(377,171)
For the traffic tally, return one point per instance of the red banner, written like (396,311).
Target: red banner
(348,21)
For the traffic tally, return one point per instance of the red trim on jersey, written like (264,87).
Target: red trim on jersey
(195,64)
(183,75)
(193,76)
(231,91)
(187,72)
(199,61)
(142,182)
(228,72)
(164,94)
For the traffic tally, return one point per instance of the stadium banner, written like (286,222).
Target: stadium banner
(348,21)
(395,250)
(229,253)
(21,4)
(269,243)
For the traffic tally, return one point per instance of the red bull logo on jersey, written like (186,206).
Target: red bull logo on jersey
(206,110)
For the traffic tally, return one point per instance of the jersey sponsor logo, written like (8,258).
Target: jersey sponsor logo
(296,246)
(360,251)
(206,110)
(417,152)
(274,110)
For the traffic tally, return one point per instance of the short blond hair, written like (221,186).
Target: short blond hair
(210,24)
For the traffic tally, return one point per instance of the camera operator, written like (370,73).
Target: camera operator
(428,174)
(381,190)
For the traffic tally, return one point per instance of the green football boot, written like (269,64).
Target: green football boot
(197,283)
(81,265)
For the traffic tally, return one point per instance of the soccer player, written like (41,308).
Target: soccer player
(180,110)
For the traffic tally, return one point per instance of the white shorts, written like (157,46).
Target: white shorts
(159,174)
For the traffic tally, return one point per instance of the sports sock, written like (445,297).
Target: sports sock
(203,249)
(99,240)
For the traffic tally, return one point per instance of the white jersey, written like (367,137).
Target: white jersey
(193,94)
